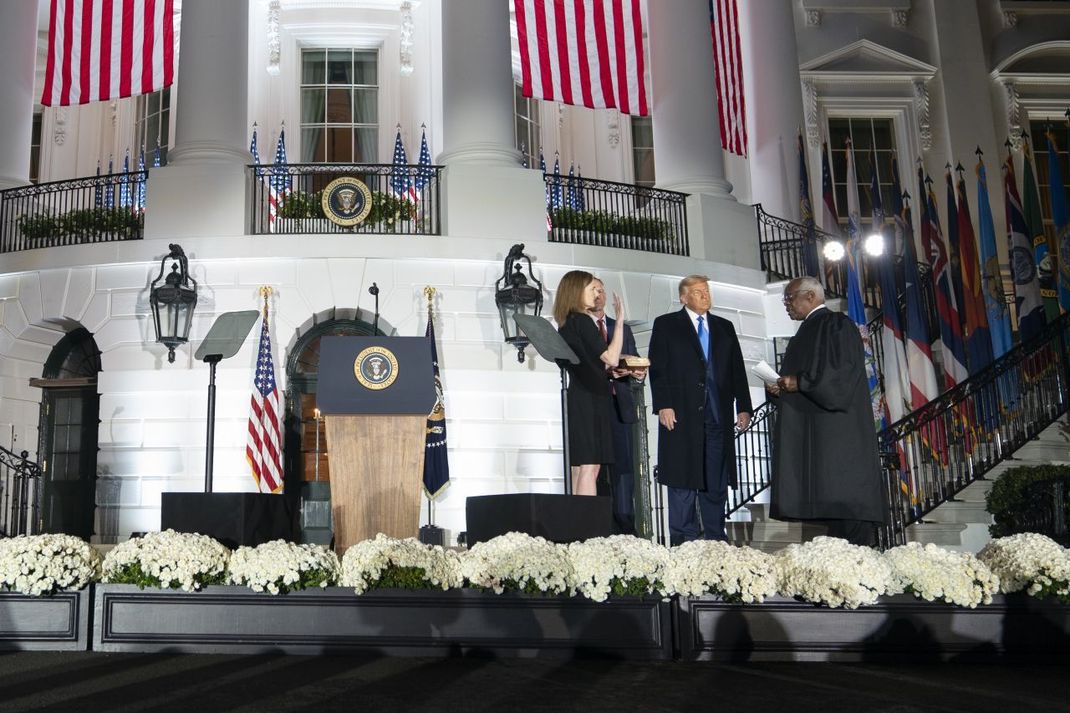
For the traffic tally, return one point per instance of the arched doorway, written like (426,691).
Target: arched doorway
(303,431)
(67,434)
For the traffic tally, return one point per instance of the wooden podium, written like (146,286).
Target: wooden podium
(375,394)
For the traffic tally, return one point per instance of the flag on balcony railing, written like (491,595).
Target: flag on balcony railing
(1060,215)
(583,52)
(263,447)
(557,198)
(278,182)
(156,155)
(547,190)
(139,188)
(856,309)
(1027,301)
(254,149)
(999,320)
(109,188)
(125,200)
(436,464)
(1034,218)
(425,171)
(400,181)
(923,384)
(579,200)
(572,200)
(107,50)
(98,191)
(895,369)
(947,307)
(728,68)
(975,328)
(954,253)
(806,215)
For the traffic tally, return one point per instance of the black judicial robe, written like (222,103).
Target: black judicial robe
(825,460)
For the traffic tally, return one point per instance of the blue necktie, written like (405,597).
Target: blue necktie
(704,338)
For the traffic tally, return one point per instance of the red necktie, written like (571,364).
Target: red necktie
(602,330)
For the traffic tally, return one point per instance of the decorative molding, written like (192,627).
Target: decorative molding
(921,114)
(1010,19)
(405,44)
(875,62)
(813,18)
(810,112)
(274,42)
(59,127)
(1014,114)
(900,18)
(613,125)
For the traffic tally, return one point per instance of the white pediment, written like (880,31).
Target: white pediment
(1043,63)
(865,60)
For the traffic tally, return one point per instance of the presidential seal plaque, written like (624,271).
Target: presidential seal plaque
(346,201)
(376,368)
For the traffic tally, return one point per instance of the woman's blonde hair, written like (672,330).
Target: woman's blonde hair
(569,297)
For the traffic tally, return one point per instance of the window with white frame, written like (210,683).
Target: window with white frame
(526,121)
(643,150)
(339,106)
(35,148)
(152,126)
(873,139)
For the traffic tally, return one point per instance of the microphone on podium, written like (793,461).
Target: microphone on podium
(374,292)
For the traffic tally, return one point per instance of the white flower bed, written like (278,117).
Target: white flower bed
(622,565)
(736,574)
(1031,562)
(935,574)
(834,572)
(43,564)
(409,564)
(168,560)
(282,566)
(519,562)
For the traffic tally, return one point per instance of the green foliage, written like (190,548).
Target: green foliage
(1021,494)
(133,574)
(38,226)
(600,221)
(302,205)
(633,587)
(82,222)
(388,210)
(394,577)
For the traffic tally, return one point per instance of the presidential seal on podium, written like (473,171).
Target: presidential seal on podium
(376,368)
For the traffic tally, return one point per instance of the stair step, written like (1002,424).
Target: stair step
(960,511)
(945,534)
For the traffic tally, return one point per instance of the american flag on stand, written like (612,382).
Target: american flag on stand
(279,182)
(400,182)
(139,189)
(728,66)
(263,448)
(125,201)
(109,188)
(436,464)
(107,49)
(583,52)
(425,171)
(557,198)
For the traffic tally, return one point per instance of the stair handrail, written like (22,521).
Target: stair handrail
(20,493)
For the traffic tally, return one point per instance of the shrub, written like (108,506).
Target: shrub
(1022,500)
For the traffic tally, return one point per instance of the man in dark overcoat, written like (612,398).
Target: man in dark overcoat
(825,461)
(700,394)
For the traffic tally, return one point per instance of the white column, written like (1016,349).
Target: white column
(477,84)
(18,51)
(202,189)
(687,138)
(773,96)
(486,192)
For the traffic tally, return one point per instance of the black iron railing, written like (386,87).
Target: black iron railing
(98,209)
(753,457)
(606,214)
(20,494)
(405,199)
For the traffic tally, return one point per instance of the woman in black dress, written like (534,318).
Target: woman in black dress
(590,437)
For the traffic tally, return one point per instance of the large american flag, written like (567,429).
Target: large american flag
(107,49)
(263,448)
(583,52)
(724,25)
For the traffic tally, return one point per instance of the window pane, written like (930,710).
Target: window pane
(366,110)
(339,144)
(339,67)
(366,69)
(312,106)
(339,106)
(313,148)
(642,134)
(862,134)
(367,145)
(312,67)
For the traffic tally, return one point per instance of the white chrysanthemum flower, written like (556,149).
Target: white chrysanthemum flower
(1035,563)
(935,574)
(282,566)
(740,574)
(619,564)
(834,572)
(42,564)
(167,559)
(519,562)
(365,563)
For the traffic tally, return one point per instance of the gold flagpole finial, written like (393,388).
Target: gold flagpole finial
(429,293)
(266,291)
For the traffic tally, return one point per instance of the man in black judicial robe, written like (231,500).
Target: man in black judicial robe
(700,394)
(825,461)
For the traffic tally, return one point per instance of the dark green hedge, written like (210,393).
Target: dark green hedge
(1023,499)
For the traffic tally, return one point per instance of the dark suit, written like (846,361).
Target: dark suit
(696,460)
(622,472)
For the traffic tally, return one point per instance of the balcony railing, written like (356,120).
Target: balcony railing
(20,494)
(398,206)
(605,214)
(98,209)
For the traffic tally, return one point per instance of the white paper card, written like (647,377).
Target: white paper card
(765,372)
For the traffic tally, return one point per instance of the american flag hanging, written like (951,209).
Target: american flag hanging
(724,25)
(107,49)
(400,182)
(263,448)
(583,52)
(425,172)
(436,464)
(279,182)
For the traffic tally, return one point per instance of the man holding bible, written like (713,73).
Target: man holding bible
(700,394)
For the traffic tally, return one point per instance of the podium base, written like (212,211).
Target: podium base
(558,518)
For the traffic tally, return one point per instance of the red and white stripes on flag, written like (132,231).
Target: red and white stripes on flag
(583,52)
(724,25)
(263,448)
(107,49)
